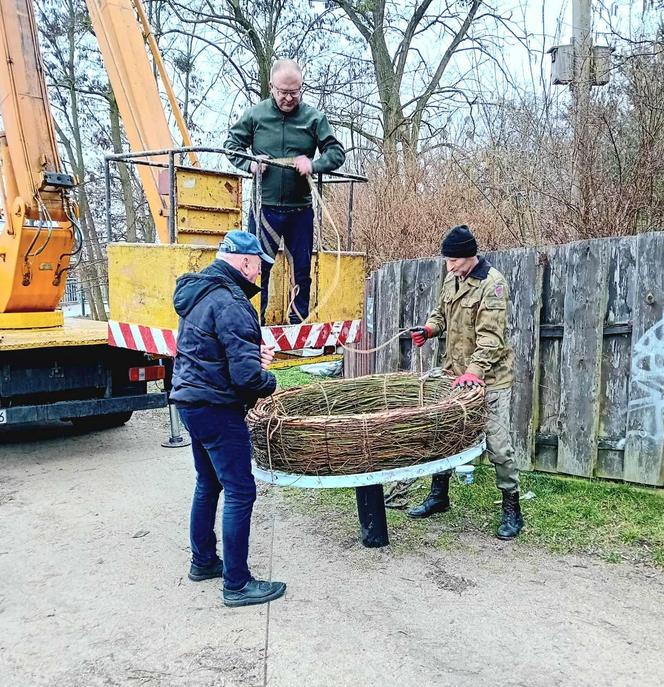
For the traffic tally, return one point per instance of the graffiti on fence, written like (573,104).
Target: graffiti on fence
(647,395)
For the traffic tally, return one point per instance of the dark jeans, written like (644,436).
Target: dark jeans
(222,456)
(296,227)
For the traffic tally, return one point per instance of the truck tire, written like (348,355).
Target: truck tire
(94,422)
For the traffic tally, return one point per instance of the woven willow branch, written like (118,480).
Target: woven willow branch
(351,426)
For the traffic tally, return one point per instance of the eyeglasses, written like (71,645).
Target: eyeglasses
(284,94)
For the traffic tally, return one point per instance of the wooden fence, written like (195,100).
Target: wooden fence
(587,326)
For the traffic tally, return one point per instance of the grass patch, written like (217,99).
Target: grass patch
(288,377)
(614,521)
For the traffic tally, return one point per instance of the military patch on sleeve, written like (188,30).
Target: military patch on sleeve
(499,290)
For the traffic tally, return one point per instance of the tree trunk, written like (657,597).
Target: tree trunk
(85,281)
(97,263)
(125,178)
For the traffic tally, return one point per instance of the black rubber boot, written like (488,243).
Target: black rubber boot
(197,573)
(254,592)
(438,500)
(512,521)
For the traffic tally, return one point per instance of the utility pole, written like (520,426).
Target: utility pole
(582,46)
(581,66)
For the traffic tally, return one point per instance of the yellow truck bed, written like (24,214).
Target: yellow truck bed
(142,279)
(75,332)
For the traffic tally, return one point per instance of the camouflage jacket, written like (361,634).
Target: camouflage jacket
(473,314)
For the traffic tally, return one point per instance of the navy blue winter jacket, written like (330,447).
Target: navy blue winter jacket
(218,346)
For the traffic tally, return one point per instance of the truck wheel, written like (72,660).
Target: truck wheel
(93,422)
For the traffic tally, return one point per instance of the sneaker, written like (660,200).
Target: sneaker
(254,592)
(197,573)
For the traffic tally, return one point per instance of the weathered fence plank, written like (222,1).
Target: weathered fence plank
(357,363)
(551,316)
(589,364)
(407,354)
(387,308)
(644,447)
(421,284)
(368,366)
(430,282)
(585,306)
(523,273)
(616,358)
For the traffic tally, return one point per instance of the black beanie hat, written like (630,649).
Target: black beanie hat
(459,243)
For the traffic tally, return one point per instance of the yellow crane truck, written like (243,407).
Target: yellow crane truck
(96,372)
(51,368)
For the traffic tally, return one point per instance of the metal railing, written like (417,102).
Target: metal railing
(175,162)
(71,294)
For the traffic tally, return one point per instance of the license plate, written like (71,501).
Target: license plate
(3,416)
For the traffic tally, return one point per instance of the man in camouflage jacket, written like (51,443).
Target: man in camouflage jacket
(472,313)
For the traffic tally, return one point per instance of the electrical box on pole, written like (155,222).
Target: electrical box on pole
(562,65)
(600,68)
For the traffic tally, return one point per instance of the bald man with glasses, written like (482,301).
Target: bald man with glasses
(282,126)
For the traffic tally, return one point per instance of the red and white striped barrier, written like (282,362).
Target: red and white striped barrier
(298,336)
(138,337)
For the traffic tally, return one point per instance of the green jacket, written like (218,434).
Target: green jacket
(266,130)
(473,314)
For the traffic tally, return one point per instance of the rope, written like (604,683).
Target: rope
(294,288)
(337,271)
(375,349)
(327,400)
(266,645)
(337,268)
(262,222)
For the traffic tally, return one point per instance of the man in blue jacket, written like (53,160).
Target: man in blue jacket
(282,126)
(220,372)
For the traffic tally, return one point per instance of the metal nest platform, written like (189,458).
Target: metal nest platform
(360,433)
(284,479)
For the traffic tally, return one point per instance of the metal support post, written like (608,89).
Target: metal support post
(258,204)
(351,194)
(176,439)
(372,516)
(171,197)
(107,199)
(319,212)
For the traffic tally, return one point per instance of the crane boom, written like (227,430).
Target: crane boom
(38,236)
(122,30)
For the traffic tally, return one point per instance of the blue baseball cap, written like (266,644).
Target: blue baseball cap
(242,243)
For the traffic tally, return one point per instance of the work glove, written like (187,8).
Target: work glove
(468,381)
(419,335)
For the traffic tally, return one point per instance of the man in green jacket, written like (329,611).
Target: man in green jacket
(472,313)
(282,126)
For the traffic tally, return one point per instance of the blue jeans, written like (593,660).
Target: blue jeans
(296,227)
(222,457)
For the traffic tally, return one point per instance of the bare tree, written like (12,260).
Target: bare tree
(250,34)
(123,171)
(408,82)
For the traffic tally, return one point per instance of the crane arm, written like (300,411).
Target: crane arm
(122,30)
(32,150)
(38,235)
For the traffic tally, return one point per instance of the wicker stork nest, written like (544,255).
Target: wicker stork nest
(352,426)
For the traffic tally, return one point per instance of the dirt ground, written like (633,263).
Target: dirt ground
(93,590)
